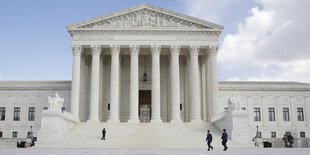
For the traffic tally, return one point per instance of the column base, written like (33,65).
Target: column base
(196,121)
(135,120)
(156,120)
(113,121)
(176,121)
(93,121)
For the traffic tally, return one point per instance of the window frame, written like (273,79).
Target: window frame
(302,134)
(271,113)
(273,134)
(300,117)
(16,114)
(14,134)
(286,110)
(31,114)
(2,113)
(257,111)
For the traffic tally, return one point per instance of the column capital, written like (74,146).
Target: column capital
(95,49)
(77,50)
(115,49)
(213,50)
(194,49)
(175,50)
(134,49)
(155,49)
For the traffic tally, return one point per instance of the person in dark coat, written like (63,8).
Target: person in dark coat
(290,139)
(103,134)
(224,139)
(209,140)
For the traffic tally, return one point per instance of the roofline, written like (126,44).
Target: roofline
(141,6)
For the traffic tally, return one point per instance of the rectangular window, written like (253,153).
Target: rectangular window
(2,113)
(1,134)
(286,114)
(271,114)
(31,114)
(256,114)
(302,134)
(16,115)
(181,106)
(300,114)
(273,134)
(14,134)
(108,106)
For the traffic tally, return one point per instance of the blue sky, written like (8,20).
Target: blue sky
(35,45)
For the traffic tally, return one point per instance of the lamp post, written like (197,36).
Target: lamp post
(257,136)
(257,133)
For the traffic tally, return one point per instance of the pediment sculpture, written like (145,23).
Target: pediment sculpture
(144,18)
(55,103)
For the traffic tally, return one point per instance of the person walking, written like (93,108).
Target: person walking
(285,139)
(224,139)
(290,139)
(103,134)
(209,140)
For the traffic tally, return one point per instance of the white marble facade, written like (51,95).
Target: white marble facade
(178,53)
(112,52)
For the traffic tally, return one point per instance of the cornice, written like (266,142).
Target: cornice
(35,85)
(263,86)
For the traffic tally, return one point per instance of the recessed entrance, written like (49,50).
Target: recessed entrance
(145,105)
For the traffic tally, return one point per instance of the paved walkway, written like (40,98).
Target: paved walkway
(35,151)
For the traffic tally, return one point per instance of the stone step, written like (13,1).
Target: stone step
(138,135)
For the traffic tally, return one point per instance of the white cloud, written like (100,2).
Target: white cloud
(272,43)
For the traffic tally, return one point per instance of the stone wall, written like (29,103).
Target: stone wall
(25,94)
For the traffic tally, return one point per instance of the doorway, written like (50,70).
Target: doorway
(145,106)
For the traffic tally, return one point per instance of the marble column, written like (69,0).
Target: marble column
(155,49)
(75,86)
(134,84)
(114,89)
(208,88)
(196,111)
(175,83)
(215,104)
(94,86)
(203,88)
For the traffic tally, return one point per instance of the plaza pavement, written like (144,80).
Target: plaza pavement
(247,151)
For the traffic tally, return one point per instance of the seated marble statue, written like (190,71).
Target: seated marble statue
(55,103)
(234,103)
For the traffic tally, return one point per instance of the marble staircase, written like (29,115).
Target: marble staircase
(139,135)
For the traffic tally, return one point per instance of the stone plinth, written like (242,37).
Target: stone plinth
(54,124)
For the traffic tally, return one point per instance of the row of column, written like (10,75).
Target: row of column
(134,83)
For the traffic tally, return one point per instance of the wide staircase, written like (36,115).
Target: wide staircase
(139,135)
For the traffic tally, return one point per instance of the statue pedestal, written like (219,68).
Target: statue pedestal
(236,124)
(54,124)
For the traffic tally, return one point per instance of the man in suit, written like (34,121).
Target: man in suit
(224,139)
(103,134)
(209,140)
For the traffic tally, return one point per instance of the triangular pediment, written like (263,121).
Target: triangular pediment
(144,16)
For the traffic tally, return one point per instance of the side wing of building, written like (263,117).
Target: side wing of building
(21,104)
(275,107)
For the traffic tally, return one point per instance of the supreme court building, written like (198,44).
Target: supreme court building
(147,65)
(138,61)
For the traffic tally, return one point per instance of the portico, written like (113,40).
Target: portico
(113,52)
